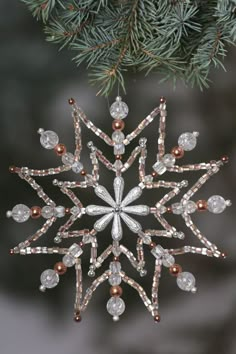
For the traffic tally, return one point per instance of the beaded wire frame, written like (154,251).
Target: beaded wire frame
(118,210)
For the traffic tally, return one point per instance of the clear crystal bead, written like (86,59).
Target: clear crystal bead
(77,167)
(68,260)
(49,278)
(186,281)
(47,212)
(158,251)
(115,267)
(187,141)
(168,160)
(168,260)
(75,211)
(20,213)
(190,207)
(159,167)
(177,208)
(75,250)
(49,139)
(119,109)
(118,137)
(114,279)
(115,306)
(59,211)
(68,159)
(216,204)
(119,149)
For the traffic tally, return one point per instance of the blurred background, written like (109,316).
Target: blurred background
(36,82)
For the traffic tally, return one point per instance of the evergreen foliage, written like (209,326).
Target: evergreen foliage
(179,38)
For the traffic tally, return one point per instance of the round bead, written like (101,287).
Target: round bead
(11,251)
(49,278)
(20,213)
(77,167)
(118,137)
(187,141)
(67,211)
(177,208)
(118,157)
(154,174)
(152,245)
(71,101)
(49,139)
(225,159)
(83,172)
(68,260)
(118,124)
(12,169)
(60,149)
(47,212)
(35,212)
(216,204)
(157,318)
(116,291)
(60,268)
(162,99)
(169,209)
(68,159)
(168,261)
(119,109)
(116,259)
(175,269)
(59,211)
(77,317)
(115,306)
(201,205)
(114,279)
(186,281)
(177,152)
(168,160)
(190,207)
(223,255)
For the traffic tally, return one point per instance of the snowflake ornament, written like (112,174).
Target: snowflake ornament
(119,209)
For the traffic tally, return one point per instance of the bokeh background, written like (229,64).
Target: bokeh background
(36,81)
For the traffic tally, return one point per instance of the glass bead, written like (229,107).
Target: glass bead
(177,208)
(115,306)
(119,149)
(115,267)
(59,211)
(49,278)
(168,260)
(47,212)
(186,281)
(168,160)
(159,167)
(77,167)
(119,109)
(118,137)
(187,141)
(75,250)
(49,139)
(68,159)
(190,207)
(20,213)
(68,260)
(216,204)
(114,279)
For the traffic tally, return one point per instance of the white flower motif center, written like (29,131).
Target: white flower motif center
(118,209)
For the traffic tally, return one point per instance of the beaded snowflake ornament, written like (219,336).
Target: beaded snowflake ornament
(118,210)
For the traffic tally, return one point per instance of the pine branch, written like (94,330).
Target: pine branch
(177,38)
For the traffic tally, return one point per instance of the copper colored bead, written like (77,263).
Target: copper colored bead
(116,259)
(118,124)
(201,205)
(81,244)
(157,318)
(60,149)
(177,152)
(223,255)
(225,159)
(11,251)
(118,157)
(116,290)
(60,268)
(152,245)
(175,269)
(12,169)
(162,99)
(71,101)
(83,173)
(67,211)
(169,209)
(35,212)
(154,174)
(77,317)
